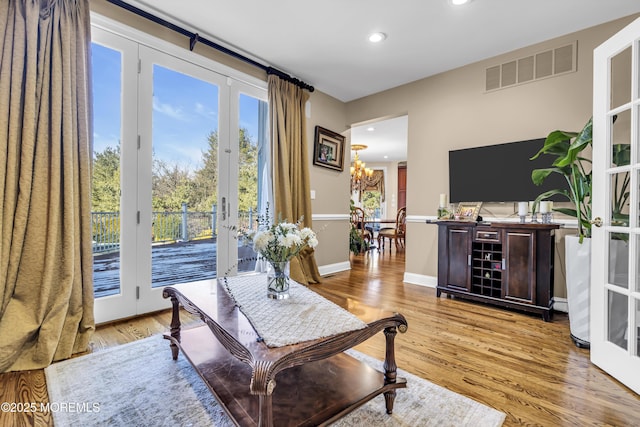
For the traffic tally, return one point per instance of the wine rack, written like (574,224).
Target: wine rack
(486,277)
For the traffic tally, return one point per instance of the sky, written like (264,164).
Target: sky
(185,110)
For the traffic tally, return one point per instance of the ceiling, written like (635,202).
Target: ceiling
(325,44)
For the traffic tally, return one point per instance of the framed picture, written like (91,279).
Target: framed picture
(328,149)
(467,211)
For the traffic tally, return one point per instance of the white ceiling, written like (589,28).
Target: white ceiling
(386,140)
(324,43)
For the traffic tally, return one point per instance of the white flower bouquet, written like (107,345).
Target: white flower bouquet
(278,244)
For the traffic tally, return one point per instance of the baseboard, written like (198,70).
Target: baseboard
(560,304)
(328,269)
(420,279)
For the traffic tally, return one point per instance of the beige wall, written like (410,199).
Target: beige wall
(331,203)
(451,111)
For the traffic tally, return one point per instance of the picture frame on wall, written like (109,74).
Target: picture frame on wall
(328,149)
(467,211)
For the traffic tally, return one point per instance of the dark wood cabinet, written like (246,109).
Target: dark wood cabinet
(506,264)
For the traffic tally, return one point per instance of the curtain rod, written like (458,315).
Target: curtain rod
(195,38)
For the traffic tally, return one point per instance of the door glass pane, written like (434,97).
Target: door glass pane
(105,195)
(619,259)
(621,78)
(620,186)
(617,332)
(253,148)
(184,178)
(621,139)
(637,191)
(637,287)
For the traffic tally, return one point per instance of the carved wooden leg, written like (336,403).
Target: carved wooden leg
(390,367)
(265,418)
(175,326)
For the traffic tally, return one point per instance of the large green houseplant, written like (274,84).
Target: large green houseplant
(570,161)
(568,148)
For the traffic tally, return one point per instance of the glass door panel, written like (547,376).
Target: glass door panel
(179,175)
(253,190)
(184,178)
(105,185)
(112,204)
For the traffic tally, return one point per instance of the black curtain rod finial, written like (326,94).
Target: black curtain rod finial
(194,40)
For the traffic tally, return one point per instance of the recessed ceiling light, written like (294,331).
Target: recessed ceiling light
(371,129)
(377,37)
(459,2)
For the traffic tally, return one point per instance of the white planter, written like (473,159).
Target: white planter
(578,264)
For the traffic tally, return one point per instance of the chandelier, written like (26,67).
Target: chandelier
(358,170)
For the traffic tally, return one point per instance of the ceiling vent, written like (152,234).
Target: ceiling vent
(542,65)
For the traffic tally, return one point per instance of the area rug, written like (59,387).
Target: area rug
(138,384)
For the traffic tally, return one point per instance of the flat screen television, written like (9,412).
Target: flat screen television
(500,173)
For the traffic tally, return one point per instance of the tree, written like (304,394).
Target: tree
(206,178)
(247,172)
(105,194)
(171,186)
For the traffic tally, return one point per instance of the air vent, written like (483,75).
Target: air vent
(542,65)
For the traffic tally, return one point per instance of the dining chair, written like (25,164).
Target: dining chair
(397,233)
(358,222)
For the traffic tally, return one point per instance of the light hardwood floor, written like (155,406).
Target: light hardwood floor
(510,361)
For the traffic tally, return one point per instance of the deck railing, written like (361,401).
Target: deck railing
(167,227)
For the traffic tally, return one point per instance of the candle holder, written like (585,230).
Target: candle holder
(522,211)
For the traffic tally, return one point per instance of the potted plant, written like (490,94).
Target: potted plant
(568,149)
(356,242)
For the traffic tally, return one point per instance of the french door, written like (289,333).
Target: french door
(182,134)
(615,286)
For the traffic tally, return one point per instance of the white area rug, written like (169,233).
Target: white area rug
(138,384)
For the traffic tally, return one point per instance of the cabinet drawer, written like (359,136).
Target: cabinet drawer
(487,235)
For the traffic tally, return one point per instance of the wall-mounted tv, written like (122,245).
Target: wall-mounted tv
(500,173)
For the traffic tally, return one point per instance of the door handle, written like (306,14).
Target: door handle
(597,221)
(224,208)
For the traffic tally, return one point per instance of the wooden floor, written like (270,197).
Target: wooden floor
(510,361)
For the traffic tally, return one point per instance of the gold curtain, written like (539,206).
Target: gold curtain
(375,183)
(291,166)
(45,176)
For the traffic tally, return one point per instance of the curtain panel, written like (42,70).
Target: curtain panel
(375,183)
(46,291)
(292,190)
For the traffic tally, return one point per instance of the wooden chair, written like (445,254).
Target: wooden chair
(397,233)
(357,221)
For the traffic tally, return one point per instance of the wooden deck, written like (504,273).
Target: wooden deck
(171,263)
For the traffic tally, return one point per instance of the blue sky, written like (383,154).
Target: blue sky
(185,110)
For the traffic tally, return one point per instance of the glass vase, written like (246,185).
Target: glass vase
(278,279)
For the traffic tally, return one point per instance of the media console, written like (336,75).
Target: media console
(502,263)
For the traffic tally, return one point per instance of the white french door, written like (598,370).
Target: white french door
(615,283)
(176,135)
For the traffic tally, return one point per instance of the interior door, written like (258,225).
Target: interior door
(615,283)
